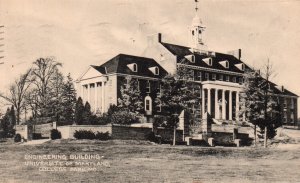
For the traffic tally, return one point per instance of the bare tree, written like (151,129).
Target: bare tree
(17,92)
(44,72)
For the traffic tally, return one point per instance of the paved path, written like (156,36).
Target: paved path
(35,142)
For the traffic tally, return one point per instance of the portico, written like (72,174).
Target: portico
(93,91)
(221,100)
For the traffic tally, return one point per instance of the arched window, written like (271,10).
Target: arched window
(193,32)
(135,69)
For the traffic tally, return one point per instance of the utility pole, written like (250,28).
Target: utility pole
(1,44)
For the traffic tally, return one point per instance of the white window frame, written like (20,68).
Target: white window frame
(148,86)
(199,76)
(148,99)
(156,70)
(134,67)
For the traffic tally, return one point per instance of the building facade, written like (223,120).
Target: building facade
(101,85)
(220,75)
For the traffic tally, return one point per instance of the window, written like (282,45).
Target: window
(227,78)
(148,105)
(193,58)
(192,76)
(214,76)
(135,68)
(159,90)
(234,79)
(158,105)
(147,108)
(193,32)
(200,31)
(199,76)
(227,64)
(292,103)
(207,76)
(156,71)
(240,80)
(210,61)
(148,87)
(221,77)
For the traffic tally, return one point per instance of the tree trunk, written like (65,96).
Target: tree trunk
(266,137)
(174,135)
(255,135)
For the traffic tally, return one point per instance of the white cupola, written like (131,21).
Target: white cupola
(196,31)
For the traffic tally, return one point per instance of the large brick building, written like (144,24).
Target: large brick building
(220,76)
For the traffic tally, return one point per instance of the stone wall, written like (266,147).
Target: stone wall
(43,129)
(67,132)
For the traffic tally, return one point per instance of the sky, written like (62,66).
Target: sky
(79,33)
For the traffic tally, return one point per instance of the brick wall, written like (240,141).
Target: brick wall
(130,133)
(167,134)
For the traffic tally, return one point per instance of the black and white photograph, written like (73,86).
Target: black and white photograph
(170,91)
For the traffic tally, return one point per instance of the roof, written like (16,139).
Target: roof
(119,64)
(182,51)
(278,91)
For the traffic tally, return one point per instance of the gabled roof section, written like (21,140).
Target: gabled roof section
(119,64)
(217,58)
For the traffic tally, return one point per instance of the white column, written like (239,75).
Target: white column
(96,97)
(82,92)
(216,105)
(203,102)
(102,97)
(89,93)
(223,105)
(208,101)
(237,106)
(230,105)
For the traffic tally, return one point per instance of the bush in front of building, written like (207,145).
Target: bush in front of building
(102,136)
(17,138)
(88,134)
(55,134)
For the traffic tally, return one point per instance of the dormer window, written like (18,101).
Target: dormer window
(133,67)
(208,61)
(225,64)
(240,66)
(154,70)
(191,58)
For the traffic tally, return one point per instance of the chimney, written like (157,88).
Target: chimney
(236,53)
(159,37)
(282,88)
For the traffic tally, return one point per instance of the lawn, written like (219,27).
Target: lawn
(129,161)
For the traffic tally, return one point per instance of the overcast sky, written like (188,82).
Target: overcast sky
(84,32)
